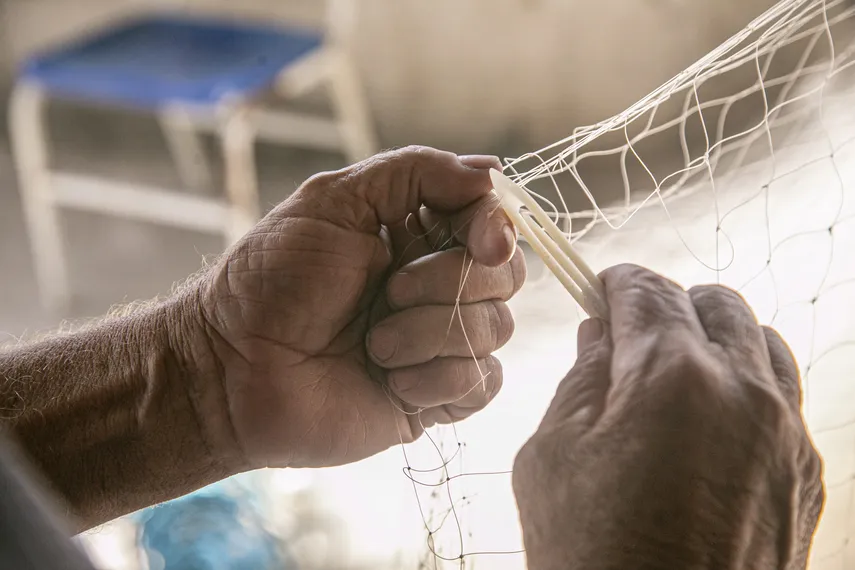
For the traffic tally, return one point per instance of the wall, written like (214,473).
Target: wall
(471,75)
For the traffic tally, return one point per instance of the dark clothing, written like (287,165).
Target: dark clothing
(30,537)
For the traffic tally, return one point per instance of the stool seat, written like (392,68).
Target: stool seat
(194,75)
(158,60)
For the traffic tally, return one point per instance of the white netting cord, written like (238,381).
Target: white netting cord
(787,24)
(739,170)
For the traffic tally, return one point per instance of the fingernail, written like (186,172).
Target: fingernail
(510,239)
(404,288)
(480,161)
(405,380)
(383,342)
(590,333)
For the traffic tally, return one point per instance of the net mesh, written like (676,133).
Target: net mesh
(740,171)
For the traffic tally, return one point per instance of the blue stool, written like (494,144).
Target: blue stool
(214,528)
(193,75)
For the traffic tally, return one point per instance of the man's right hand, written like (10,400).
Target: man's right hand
(676,441)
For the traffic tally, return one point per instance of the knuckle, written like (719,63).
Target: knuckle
(501,323)
(715,292)
(462,376)
(481,329)
(495,378)
(620,271)
(521,471)
(321,180)
(783,359)
(684,373)
(774,340)
(627,276)
(531,456)
(677,357)
(691,383)
(650,298)
(717,297)
(416,154)
(769,411)
(814,465)
(486,283)
(476,383)
(415,150)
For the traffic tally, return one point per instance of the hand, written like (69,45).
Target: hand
(349,288)
(676,441)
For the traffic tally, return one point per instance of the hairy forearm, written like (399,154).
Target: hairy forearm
(112,414)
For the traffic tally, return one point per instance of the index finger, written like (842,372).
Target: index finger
(482,226)
(397,183)
(730,323)
(387,188)
(645,308)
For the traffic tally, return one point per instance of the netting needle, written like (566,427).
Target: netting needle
(551,245)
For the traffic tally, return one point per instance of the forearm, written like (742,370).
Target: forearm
(112,414)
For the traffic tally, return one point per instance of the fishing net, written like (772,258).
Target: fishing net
(741,171)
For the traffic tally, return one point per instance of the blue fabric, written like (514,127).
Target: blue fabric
(216,528)
(152,61)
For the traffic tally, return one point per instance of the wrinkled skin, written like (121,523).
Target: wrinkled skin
(675,442)
(349,287)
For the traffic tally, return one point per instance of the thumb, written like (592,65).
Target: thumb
(385,189)
(581,395)
(482,226)
(391,185)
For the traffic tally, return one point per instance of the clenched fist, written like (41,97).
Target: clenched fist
(361,310)
(350,287)
(676,441)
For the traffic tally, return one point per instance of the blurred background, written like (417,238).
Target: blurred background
(504,77)
(143,135)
